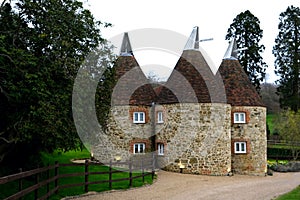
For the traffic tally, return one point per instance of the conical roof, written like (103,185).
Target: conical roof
(192,80)
(239,90)
(132,86)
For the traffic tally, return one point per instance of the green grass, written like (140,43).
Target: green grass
(12,187)
(292,195)
(270,122)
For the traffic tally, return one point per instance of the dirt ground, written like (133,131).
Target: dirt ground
(177,186)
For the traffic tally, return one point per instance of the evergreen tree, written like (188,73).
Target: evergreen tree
(287,62)
(246,30)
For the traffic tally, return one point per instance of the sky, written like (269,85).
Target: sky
(179,17)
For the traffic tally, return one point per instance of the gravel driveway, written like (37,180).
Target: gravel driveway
(177,186)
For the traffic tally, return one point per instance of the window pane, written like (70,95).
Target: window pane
(237,147)
(160,116)
(136,116)
(236,117)
(136,148)
(243,146)
(242,117)
(141,117)
(160,149)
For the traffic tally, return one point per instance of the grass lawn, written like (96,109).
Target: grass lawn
(292,195)
(12,187)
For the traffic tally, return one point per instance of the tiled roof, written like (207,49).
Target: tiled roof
(166,96)
(186,80)
(132,87)
(191,81)
(239,90)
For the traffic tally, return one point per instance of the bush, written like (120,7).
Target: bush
(279,153)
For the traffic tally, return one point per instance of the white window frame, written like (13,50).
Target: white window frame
(239,117)
(160,118)
(160,149)
(238,147)
(140,148)
(138,117)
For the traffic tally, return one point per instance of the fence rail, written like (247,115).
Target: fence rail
(283,142)
(145,170)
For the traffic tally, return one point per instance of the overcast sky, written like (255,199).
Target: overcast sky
(213,18)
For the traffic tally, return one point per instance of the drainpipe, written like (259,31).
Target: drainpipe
(153,123)
(153,135)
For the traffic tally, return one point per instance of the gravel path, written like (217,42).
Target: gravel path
(177,186)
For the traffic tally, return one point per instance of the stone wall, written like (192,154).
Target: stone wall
(198,137)
(122,133)
(253,132)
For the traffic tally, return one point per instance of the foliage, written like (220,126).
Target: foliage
(288,126)
(287,62)
(279,152)
(246,29)
(270,98)
(103,95)
(42,45)
(272,162)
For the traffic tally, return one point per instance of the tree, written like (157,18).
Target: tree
(42,45)
(270,98)
(288,127)
(152,77)
(287,62)
(246,30)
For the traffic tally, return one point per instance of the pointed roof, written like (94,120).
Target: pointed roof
(239,90)
(132,86)
(191,80)
(126,49)
(231,52)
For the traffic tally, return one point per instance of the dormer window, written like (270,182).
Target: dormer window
(138,117)
(239,117)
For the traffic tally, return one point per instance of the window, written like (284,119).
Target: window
(139,148)
(239,117)
(138,117)
(240,147)
(160,149)
(160,117)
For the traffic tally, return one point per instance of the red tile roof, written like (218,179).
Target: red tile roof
(239,90)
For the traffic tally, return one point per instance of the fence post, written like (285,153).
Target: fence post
(48,177)
(36,191)
(130,173)
(20,182)
(110,175)
(153,165)
(142,168)
(86,176)
(56,176)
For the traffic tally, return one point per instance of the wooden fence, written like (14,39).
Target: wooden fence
(283,142)
(144,169)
